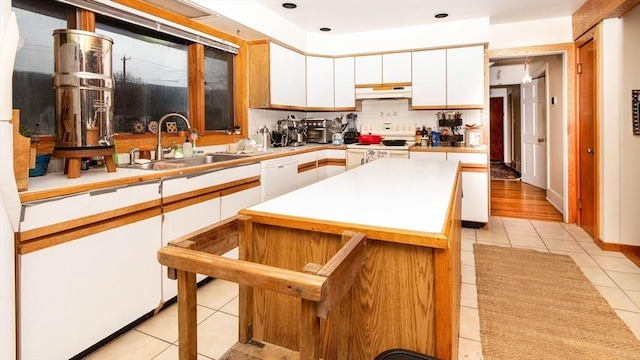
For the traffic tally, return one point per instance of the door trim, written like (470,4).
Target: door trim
(569,52)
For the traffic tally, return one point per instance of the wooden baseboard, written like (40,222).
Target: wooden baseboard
(630,251)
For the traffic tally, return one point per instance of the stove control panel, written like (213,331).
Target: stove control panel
(389,129)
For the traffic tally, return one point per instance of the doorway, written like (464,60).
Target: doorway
(560,129)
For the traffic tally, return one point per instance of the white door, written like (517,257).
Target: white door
(534,133)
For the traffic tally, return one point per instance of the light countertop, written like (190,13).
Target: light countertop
(409,195)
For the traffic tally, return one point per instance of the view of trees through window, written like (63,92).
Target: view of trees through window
(149,70)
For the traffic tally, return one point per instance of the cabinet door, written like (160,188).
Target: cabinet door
(439,156)
(468,158)
(429,79)
(232,203)
(79,292)
(320,84)
(369,70)
(475,196)
(280,75)
(465,76)
(298,78)
(396,68)
(180,222)
(344,83)
(355,158)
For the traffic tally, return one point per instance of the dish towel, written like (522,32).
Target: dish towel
(372,155)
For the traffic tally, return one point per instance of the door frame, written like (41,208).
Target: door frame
(568,50)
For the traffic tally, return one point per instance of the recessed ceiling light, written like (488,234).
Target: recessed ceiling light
(289,5)
(325,29)
(441,15)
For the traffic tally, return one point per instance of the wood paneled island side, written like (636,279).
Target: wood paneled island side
(408,293)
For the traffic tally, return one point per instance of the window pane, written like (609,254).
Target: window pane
(218,93)
(33,90)
(150,73)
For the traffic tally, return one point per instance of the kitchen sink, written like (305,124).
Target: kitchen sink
(182,163)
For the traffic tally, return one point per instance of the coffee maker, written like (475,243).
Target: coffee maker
(351,133)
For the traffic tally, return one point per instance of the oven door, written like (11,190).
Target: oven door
(317,135)
(357,157)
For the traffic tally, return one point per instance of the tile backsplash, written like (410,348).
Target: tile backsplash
(373,112)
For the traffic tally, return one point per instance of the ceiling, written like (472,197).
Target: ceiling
(350,16)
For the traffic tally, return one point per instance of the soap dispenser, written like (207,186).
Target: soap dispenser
(186,148)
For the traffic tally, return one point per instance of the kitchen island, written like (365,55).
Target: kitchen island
(409,292)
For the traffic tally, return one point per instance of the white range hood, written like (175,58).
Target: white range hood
(384,92)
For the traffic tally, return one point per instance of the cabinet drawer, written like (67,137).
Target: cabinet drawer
(53,211)
(468,158)
(186,183)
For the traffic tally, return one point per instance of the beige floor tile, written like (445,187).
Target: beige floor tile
(217,334)
(468,274)
(469,295)
(563,245)
(172,354)
(469,349)
(521,230)
(634,296)
(469,323)
(217,293)
(468,234)
(582,260)
(492,236)
(165,325)
(496,219)
(617,299)
(467,244)
(632,320)
(467,258)
(519,240)
(581,236)
(597,277)
(616,264)
(594,249)
(555,234)
(547,225)
(626,281)
(133,345)
(515,221)
(232,307)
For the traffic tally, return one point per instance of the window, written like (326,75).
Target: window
(150,73)
(33,91)
(218,89)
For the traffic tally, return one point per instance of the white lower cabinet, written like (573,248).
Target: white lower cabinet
(331,162)
(232,203)
(77,293)
(475,196)
(307,168)
(440,156)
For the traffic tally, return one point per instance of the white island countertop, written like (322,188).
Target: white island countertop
(402,196)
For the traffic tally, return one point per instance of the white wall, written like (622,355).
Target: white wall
(531,33)
(620,167)
(609,147)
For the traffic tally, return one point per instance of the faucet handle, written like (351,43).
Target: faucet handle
(168,149)
(132,155)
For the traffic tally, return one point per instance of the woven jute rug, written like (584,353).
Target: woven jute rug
(536,305)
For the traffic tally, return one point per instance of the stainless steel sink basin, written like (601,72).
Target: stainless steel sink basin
(182,163)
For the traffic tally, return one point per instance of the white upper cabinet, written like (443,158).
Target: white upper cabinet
(369,70)
(396,68)
(320,84)
(344,83)
(465,76)
(429,78)
(288,77)
(448,78)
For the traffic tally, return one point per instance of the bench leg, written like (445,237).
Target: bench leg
(187,316)
(309,331)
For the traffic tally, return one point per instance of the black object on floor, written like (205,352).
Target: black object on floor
(400,354)
(500,170)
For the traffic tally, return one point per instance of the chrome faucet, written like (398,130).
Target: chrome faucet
(159,149)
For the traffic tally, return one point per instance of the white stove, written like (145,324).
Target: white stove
(360,154)
(388,131)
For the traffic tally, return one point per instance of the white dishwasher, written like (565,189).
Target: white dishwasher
(278,177)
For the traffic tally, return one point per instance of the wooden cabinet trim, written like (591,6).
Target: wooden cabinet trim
(208,190)
(96,226)
(28,235)
(188,201)
(307,166)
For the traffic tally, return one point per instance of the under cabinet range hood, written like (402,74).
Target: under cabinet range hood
(384,92)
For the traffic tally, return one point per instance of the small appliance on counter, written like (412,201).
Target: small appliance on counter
(294,130)
(320,130)
(351,133)
(449,125)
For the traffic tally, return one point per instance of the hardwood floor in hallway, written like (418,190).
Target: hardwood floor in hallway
(521,200)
